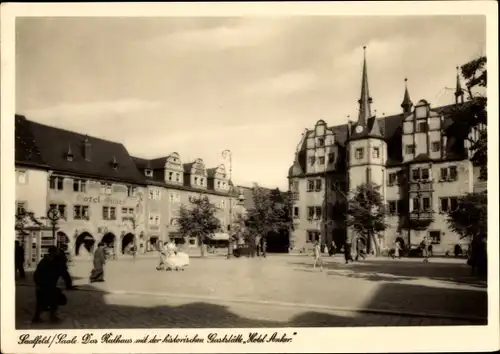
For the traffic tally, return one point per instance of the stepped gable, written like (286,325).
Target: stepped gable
(391,131)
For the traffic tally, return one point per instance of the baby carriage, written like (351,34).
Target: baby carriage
(176,261)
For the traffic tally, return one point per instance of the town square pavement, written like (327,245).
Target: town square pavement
(277,291)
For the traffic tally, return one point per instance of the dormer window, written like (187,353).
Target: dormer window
(196,180)
(114,163)
(148,173)
(321,141)
(69,154)
(170,175)
(177,177)
(201,181)
(218,184)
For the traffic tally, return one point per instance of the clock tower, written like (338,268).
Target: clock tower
(367,149)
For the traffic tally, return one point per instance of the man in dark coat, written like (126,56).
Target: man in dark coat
(62,260)
(347,252)
(46,276)
(19,259)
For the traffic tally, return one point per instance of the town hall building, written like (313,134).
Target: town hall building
(419,164)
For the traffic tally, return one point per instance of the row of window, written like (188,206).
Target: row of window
(80,185)
(321,159)
(359,153)
(449,173)
(435,147)
(446,204)
(314,213)
(316,185)
(81,212)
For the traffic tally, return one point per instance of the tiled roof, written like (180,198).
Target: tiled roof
(26,150)
(54,144)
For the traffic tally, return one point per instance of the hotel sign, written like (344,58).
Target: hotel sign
(99,200)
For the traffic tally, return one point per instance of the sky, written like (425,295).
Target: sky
(200,85)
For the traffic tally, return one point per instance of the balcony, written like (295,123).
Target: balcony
(294,195)
(421,219)
(422,185)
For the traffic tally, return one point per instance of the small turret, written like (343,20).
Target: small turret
(459,93)
(407,104)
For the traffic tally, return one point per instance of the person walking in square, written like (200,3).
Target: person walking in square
(317,256)
(397,249)
(347,252)
(97,274)
(48,295)
(360,248)
(19,259)
(425,249)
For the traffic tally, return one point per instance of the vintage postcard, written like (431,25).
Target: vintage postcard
(249,177)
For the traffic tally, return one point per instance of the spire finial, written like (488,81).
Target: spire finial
(365,100)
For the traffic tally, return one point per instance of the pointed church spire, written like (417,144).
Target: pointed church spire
(407,103)
(365,100)
(459,93)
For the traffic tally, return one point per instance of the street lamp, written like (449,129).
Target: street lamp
(54,216)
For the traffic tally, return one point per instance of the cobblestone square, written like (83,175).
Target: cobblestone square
(276,291)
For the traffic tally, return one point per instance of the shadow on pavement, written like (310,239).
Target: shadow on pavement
(390,270)
(89,307)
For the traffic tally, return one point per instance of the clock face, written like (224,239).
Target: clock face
(359,129)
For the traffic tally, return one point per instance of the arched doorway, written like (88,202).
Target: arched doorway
(127,240)
(85,240)
(109,240)
(62,241)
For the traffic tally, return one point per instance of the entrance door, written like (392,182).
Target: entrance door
(84,244)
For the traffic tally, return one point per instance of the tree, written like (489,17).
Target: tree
(269,213)
(25,219)
(470,218)
(366,213)
(199,220)
(473,114)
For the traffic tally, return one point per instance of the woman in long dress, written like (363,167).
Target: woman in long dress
(97,274)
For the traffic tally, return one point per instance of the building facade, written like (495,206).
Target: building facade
(31,173)
(103,194)
(421,165)
(172,183)
(94,186)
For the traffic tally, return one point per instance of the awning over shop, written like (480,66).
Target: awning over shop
(220,236)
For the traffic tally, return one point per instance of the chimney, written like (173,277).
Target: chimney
(87,148)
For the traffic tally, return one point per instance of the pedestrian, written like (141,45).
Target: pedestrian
(397,250)
(347,252)
(97,274)
(19,259)
(360,248)
(425,249)
(163,257)
(333,248)
(48,295)
(317,256)
(62,260)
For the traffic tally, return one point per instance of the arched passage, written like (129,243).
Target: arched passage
(127,240)
(109,240)
(62,241)
(85,240)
